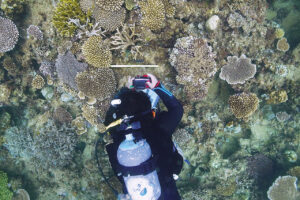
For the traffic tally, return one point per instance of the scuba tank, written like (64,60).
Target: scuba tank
(138,169)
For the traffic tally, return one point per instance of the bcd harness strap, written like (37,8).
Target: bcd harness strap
(144,168)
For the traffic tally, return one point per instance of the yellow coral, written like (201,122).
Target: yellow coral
(243,105)
(277,97)
(38,82)
(111,5)
(96,52)
(169,8)
(283,45)
(66,10)
(279,33)
(153,14)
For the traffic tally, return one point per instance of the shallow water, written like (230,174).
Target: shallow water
(234,65)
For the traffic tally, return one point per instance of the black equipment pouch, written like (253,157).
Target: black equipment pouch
(177,163)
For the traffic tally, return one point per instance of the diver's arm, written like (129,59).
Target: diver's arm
(169,120)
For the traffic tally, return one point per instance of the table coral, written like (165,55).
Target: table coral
(66,10)
(237,70)
(96,52)
(99,83)
(9,35)
(284,187)
(5,193)
(153,12)
(243,105)
(194,62)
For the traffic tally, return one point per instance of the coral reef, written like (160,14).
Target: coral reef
(67,68)
(284,187)
(35,32)
(283,45)
(243,105)
(153,12)
(5,193)
(282,116)
(212,23)
(277,97)
(66,10)
(9,35)
(279,33)
(5,121)
(13,8)
(47,68)
(99,83)
(62,116)
(111,5)
(237,70)
(10,66)
(295,171)
(4,93)
(194,62)
(38,82)
(96,52)
(49,146)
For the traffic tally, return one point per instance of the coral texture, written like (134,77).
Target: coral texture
(237,70)
(50,146)
(67,67)
(96,52)
(4,93)
(109,20)
(99,83)
(9,35)
(66,10)
(153,12)
(5,193)
(38,82)
(61,116)
(110,5)
(277,97)
(35,32)
(283,45)
(47,68)
(194,62)
(243,105)
(236,20)
(284,187)
(10,66)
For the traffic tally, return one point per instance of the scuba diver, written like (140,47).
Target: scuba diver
(143,155)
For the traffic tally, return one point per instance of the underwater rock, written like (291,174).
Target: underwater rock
(212,23)
(9,35)
(237,70)
(284,187)
(67,68)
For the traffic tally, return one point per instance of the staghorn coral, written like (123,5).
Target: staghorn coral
(194,62)
(67,67)
(282,45)
(237,70)
(99,83)
(153,12)
(277,97)
(5,193)
(284,187)
(64,11)
(35,32)
(126,39)
(9,35)
(111,5)
(108,19)
(38,82)
(49,146)
(96,52)
(243,104)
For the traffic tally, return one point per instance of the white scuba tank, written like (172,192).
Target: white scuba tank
(131,154)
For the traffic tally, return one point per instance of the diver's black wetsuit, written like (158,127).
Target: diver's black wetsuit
(160,139)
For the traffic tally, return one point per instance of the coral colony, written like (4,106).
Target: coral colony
(234,65)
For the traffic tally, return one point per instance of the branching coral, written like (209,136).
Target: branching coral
(50,146)
(96,52)
(126,39)
(9,35)
(284,187)
(5,193)
(237,70)
(153,12)
(66,10)
(194,61)
(243,105)
(99,83)
(67,67)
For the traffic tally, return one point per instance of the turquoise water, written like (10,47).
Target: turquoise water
(234,65)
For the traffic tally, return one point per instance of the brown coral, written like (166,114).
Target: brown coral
(153,12)
(243,105)
(96,52)
(277,97)
(99,83)
(237,70)
(38,82)
(61,116)
(283,45)
(109,5)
